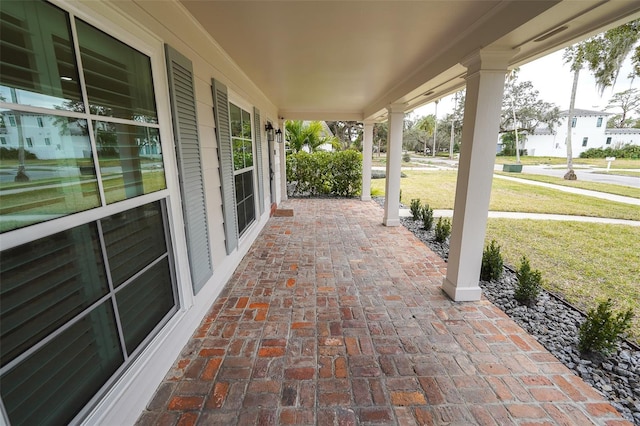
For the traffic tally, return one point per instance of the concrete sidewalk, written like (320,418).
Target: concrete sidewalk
(579,191)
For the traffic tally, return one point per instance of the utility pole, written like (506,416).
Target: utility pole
(435,129)
(453,121)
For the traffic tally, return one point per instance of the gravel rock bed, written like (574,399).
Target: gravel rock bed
(555,324)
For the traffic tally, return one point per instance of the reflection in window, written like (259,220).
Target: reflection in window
(241,137)
(130,160)
(37,60)
(60,341)
(55,382)
(118,77)
(40,181)
(245,204)
(47,282)
(134,239)
(144,302)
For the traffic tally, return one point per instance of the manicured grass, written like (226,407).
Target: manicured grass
(586,263)
(620,163)
(620,173)
(438,189)
(626,191)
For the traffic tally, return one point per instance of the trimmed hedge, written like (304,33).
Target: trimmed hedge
(325,173)
(627,151)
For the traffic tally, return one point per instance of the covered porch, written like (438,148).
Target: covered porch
(334,318)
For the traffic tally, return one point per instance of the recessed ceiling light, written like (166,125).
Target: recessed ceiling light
(65,78)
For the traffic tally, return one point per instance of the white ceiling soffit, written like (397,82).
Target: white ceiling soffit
(350,59)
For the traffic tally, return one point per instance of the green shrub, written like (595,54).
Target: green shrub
(414,207)
(406,157)
(602,329)
(14,154)
(626,151)
(443,229)
(492,262)
(426,214)
(529,282)
(325,173)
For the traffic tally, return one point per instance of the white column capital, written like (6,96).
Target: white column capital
(396,108)
(489,59)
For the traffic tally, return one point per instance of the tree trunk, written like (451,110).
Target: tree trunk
(570,175)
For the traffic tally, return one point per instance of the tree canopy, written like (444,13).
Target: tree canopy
(310,134)
(627,101)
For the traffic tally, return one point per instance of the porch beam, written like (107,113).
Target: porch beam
(486,71)
(367,153)
(394,161)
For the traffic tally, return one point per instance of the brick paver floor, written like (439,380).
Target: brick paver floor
(334,319)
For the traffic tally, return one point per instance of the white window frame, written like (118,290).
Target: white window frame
(112,21)
(247,107)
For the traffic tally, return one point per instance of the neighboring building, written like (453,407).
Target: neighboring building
(616,138)
(588,130)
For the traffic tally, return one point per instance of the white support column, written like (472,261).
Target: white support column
(486,71)
(367,153)
(394,161)
(283,161)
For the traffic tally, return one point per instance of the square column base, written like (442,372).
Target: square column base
(365,198)
(391,222)
(464,294)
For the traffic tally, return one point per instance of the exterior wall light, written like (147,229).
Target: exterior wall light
(279,136)
(269,129)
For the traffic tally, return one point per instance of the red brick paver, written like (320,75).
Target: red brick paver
(333,318)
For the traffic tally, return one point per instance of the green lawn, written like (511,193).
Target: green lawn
(626,191)
(620,163)
(585,262)
(438,189)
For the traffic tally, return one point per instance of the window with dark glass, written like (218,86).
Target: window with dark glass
(56,151)
(574,121)
(599,123)
(609,140)
(60,334)
(79,304)
(584,141)
(242,143)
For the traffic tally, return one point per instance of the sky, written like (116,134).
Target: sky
(553,79)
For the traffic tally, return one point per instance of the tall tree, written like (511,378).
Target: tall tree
(523,110)
(427,125)
(604,55)
(627,101)
(349,133)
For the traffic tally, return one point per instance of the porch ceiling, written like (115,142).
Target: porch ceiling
(350,59)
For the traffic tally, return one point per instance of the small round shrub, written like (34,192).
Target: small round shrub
(529,282)
(492,263)
(443,229)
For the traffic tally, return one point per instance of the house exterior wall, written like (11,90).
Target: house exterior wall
(616,138)
(553,144)
(148,26)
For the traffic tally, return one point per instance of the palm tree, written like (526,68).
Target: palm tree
(300,134)
(427,124)
(604,55)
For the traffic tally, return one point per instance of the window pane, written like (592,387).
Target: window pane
(54,383)
(37,60)
(245,208)
(246,125)
(130,160)
(238,154)
(43,181)
(235,116)
(118,77)
(144,302)
(134,239)
(45,283)
(248,153)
